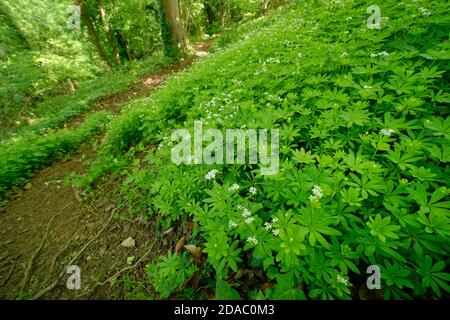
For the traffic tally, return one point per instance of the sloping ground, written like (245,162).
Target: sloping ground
(50,223)
(364,145)
(363,179)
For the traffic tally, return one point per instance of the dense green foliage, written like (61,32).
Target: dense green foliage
(38,56)
(42,57)
(364,176)
(51,73)
(364,125)
(56,111)
(19,152)
(20,156)
(170,273)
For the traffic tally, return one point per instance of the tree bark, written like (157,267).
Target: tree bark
(86,18)
(172,30)
(108,32)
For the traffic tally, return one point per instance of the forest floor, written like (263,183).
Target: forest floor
(51,225)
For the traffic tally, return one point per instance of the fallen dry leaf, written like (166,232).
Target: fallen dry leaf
(193,250)
(180,244)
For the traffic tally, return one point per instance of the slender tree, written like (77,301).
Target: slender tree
(172,31)
(108,32)
(86,18)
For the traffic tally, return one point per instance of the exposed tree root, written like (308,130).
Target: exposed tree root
(52,267)
(8,276)
(29,266)
(118,273)
(61,274)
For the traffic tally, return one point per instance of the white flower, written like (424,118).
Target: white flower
(341,279)
(275,220)
(425,12)
(268,226)
(381,54)
(249,220)
(367,87)
(232,224)
(234,187)
(252,240)
(211,175)
(344,54)
(317,189)
(253,190)
(387,132)
(349,18)
(246,213)
(312,198)
(276,232)
(317,192)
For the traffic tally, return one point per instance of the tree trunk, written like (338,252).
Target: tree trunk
(108,32)
(172,31)
(184,23)
(92,32)
(129,52)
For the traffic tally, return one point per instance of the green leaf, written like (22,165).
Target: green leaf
(225,292)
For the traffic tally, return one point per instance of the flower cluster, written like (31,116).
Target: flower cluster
(220,108)
(249,220)
(232,224)
(234,187)
(425,12)
(246,213)
(252,240)
(253,191)
(317,193)
(211,175)
(381,54)
(387,132)
(341,279)
(269,227)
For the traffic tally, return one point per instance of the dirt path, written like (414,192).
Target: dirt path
(51,225)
